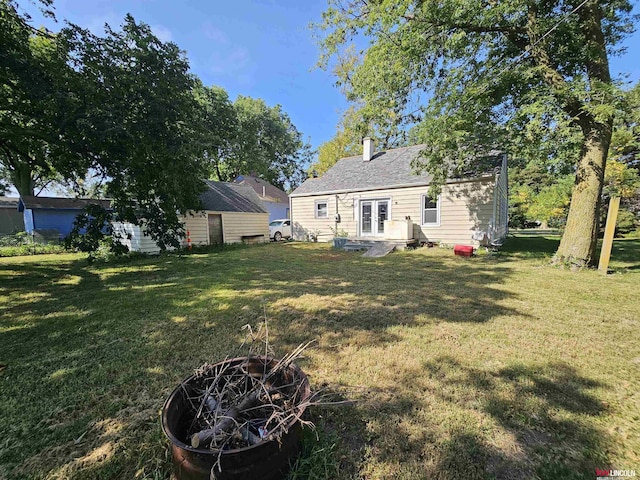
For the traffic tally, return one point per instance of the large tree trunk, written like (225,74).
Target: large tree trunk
(22,178)
(578,244)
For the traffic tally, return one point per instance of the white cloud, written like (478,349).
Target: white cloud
(96,24)
(162,32)
(211,32)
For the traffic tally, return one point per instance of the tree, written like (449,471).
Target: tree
(37,106)
(248,136)
(121,106)
(346,142)
(355,124)
(219,129)
(494,73)
(625,142)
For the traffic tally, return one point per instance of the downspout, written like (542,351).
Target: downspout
(335,218)
(293,235)
(492,225)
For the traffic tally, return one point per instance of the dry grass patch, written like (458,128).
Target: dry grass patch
(489,367)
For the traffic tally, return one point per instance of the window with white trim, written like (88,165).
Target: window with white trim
(430,211)
(322,209)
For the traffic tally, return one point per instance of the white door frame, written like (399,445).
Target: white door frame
(375,203)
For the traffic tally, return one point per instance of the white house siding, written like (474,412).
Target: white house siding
(465,208)
(198,227)
(135,238)
(235,225)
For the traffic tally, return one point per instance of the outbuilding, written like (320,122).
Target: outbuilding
(53,216)
(11,220)
(232,213)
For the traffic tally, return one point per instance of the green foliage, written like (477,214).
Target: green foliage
(318,459)
(456,53)
(551,204)
(621,180)
(626,222)
(90,234)
(625,142)
(120,106)
(39,105)
(21,243)
(338,232)
(531,78)
(346,142)
(248,136)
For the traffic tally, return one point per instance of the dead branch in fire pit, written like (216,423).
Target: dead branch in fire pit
(243,401)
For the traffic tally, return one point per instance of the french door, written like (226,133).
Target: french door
(373,213)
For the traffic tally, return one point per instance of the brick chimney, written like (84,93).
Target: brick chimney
(367,149)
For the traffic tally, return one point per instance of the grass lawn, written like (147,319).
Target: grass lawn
(490,367)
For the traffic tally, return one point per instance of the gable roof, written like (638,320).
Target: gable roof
(231,197)
(58,203)
(264,189)
(385,169)
(389,168)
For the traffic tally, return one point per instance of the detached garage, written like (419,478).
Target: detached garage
(232,214)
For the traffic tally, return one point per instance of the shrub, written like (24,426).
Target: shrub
(22,244)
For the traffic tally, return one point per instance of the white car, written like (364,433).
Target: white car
(279,229)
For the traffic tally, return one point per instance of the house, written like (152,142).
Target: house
(377,196)
(232,213)
(11,220)
(53,215)
(276,200)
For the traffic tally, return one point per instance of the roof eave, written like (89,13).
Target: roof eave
(390,187)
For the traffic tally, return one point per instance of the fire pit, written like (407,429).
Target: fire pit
(237,419)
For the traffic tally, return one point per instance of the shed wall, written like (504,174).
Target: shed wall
(52,219)
(134,237)
(11,221)
(464,208)
(197,225)
(237,224)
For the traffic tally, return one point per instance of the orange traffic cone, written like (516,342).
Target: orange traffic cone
(188,240)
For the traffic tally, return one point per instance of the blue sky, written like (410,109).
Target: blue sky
(262,49)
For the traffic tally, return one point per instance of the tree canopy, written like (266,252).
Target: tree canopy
(120,114)
(248,136)
(471,76)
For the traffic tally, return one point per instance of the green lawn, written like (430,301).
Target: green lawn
(490,367)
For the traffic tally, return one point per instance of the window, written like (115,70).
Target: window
(286,223)
(430,211)
(322,209)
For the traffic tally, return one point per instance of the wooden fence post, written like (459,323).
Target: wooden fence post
(609,230)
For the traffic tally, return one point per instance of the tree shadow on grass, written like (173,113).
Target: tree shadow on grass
(625,254)
(527,246)
(546,413)
(519,422)
(101,344)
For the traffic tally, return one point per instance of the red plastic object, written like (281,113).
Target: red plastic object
(463,250)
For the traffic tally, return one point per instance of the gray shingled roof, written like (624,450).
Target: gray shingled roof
(231,197)
(272,192)
(59,203)
(386,169)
